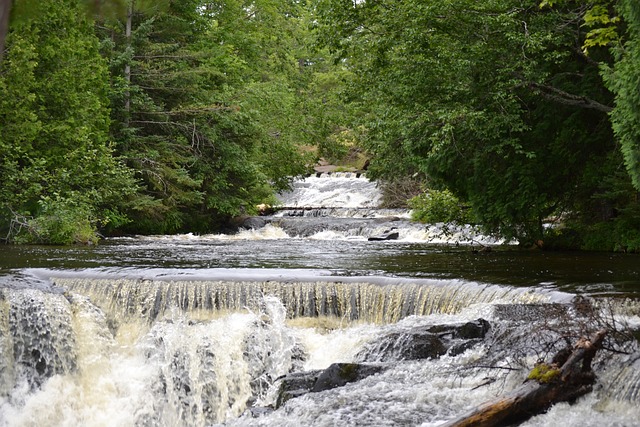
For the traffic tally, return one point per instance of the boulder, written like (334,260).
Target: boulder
(408,345)
(425,343)
(387,235)
(254,222)
(337,375)
(296,384)
(469,330)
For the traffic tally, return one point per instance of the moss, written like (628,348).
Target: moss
(544,373)
(348,371)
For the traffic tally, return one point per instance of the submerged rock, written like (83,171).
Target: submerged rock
(253,222)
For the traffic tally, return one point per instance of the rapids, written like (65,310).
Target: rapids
(203,330)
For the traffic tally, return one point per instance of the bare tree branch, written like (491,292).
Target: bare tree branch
(566,98)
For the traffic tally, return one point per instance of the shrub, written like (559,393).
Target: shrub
(59,222)
(439,206)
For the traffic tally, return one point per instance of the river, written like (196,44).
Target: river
(198,330)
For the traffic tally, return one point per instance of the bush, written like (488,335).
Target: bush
(59,222)
(439,206)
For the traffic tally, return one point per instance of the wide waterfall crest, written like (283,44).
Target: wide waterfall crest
(354,300)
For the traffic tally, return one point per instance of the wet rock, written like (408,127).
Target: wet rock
(296,384)
(337,375)
(254,222)
(469,330)
(409,345)
(429,343)
(387,235)
(461,347)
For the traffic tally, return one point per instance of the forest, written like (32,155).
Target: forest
(150,117)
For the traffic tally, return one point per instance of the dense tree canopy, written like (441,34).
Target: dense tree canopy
(58,171)
(496,101)
(168,116)
(189,109)
(623,79)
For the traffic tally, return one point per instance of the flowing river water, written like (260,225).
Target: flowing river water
(200,330)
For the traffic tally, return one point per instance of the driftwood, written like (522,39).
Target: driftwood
(566,378)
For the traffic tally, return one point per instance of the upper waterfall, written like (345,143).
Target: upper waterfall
(335,190)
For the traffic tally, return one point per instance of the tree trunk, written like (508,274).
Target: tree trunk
(5,10)
(565,379)
(127,67)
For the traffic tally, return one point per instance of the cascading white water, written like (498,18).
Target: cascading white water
(155,352)
(376,300)
(346,206)
(182,369)
(336,190)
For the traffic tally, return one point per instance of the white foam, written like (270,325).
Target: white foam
(330,191)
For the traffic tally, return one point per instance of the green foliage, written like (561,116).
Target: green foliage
(205,112)
(439,206)
(603,29)
(607,220)
(205,109)
(622,79)
(488,99)
(59,222)
(599,17)
(209,104)
(55,120)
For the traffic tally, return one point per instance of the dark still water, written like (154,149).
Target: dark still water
(590,273)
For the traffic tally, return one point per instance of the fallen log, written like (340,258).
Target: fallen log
(567,377)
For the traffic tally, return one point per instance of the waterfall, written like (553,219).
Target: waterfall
(624,383)
(36,337)
(65,362)
(336,190)
(387,301)
(346,206)
(204,330)
(151,352)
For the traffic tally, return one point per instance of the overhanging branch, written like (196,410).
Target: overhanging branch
(566,98)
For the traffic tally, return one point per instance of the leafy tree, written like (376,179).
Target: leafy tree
(202,113)
(623,79)
(495,101)
(439,206)
(57,168)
